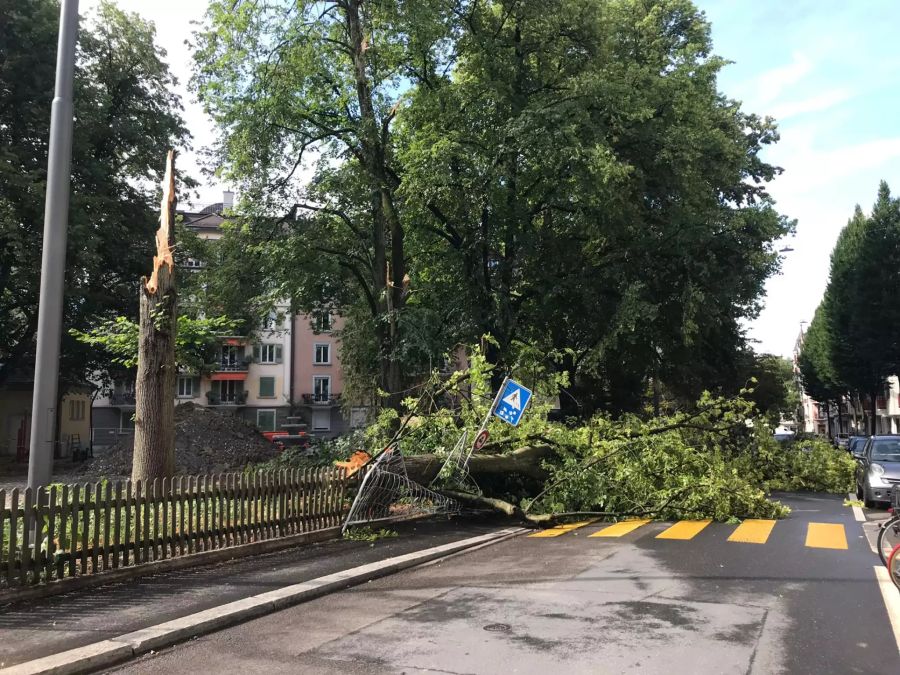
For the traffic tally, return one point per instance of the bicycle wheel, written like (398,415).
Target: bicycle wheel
(894,566)
(888,538)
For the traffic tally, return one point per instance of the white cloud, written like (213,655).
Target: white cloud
(808,169)
(816,103)
(769,84)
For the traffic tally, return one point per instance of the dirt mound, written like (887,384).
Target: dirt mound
(206,441)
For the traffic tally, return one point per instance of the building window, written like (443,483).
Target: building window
(185,387)
(267,387)
(228,391)
(271,321)
(76,410)
(322,322)
(265,420)
(267,354)
(323,353)
(321,389)
(229,356)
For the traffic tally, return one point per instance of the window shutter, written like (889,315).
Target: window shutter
(277,353)
(255,353)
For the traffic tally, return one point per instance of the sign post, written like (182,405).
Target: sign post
(482,435)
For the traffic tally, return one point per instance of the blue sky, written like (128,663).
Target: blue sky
(829,72)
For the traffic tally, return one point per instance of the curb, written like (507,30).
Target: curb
(115,650)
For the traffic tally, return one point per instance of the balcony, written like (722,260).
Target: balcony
(232,366)
(321,399)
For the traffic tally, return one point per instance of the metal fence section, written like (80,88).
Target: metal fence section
(70,530)
(386,492)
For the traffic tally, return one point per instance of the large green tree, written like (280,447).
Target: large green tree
(126,117)
(861,301)
(562,173)
(324,79)
(586,187)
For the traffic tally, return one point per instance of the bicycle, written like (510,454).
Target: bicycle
(893,566)
(889,532)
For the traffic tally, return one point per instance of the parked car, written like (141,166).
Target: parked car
(856,444)
(284,441)
(878,469)
(783,435)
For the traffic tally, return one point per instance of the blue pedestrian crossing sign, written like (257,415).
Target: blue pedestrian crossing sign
(513,402)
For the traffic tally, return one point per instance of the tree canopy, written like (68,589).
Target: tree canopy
(126,117)
(852,344)
(564,174)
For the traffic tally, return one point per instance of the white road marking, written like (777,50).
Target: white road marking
(857,511)
(891,595)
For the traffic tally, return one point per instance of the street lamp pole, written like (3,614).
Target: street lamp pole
(53,259)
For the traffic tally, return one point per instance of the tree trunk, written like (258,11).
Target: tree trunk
(828,421)
(525,461)
(840,409)
(154,424)
(873,413)
(389,269)
(855,404)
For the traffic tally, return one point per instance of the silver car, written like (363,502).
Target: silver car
(878,469)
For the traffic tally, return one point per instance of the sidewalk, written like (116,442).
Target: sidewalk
(40,628)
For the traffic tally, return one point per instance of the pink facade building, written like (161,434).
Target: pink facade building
(317,379)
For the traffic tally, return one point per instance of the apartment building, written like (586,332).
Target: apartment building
(288,367)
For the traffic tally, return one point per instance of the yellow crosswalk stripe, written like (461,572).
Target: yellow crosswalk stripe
(685,529)
(753,531)
(620,529)
(826,535)
(561,529)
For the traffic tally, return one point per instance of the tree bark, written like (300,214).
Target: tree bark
(525,461)
(873,412)
(154,423)
(387,230)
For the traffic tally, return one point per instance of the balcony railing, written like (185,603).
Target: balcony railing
(232,367)
(321,399)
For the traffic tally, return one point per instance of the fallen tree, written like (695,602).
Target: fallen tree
(717,460)
(525,461)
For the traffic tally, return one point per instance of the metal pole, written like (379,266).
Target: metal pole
(487,417)
(53,261)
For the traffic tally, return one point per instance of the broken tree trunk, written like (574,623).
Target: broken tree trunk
(154,423)
(525,461)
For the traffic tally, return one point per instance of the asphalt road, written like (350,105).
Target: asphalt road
(805,601)
(39,628)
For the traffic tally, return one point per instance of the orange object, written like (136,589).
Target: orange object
(222,377)
(357,461)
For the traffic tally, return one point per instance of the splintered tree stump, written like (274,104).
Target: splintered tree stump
(154,415)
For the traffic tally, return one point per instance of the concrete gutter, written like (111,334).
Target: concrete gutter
(115,650)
